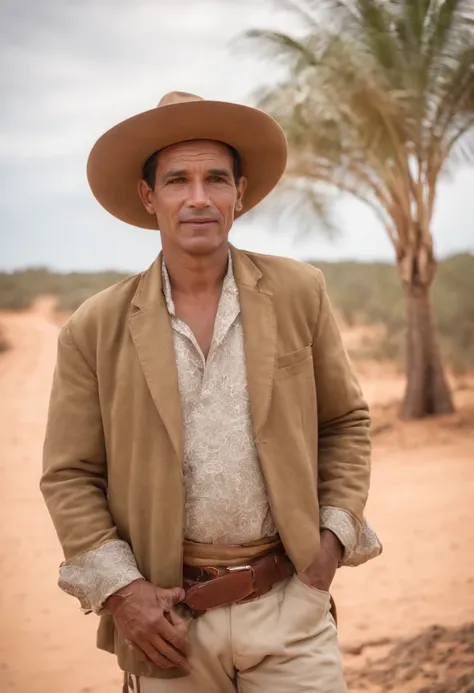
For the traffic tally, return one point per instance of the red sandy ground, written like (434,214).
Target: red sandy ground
(406,619)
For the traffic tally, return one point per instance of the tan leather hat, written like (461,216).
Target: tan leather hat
(115,163)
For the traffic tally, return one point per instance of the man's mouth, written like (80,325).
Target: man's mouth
(199,221)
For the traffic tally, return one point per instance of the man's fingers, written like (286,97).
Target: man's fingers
(181,627)
(171,596)
(169,652)
(138,650)
(146,653)
(175,619)
(154,656)
(175,635)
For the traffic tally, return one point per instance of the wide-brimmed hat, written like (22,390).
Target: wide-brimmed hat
(115,164)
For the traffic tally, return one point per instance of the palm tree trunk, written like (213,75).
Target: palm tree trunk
(427,391)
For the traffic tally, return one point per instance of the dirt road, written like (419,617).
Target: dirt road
(46,643)
(421,504)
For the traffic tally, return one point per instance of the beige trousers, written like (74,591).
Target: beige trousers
(284,642)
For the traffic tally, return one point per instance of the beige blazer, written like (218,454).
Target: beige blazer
(113,451)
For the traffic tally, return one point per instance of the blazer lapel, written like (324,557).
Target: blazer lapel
(152,335)
(260,337)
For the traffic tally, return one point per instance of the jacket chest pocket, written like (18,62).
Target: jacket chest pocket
(295,362)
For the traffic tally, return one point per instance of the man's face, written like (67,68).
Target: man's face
(195,196)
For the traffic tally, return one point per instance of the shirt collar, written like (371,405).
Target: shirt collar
(229,287)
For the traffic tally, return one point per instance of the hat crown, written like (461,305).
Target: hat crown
(173,97)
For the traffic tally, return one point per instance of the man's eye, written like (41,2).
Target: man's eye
(177,180)
(217,179)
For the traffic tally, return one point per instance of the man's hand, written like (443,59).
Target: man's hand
(320,573)
(144,615)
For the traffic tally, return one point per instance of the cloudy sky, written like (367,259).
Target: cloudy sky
(70,69)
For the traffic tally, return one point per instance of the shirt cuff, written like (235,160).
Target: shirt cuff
(95,575)
(360,542)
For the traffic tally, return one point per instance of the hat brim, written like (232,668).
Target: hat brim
(115,163)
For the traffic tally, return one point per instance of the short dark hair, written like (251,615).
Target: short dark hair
(150,165)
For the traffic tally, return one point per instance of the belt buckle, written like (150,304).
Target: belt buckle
(238,568)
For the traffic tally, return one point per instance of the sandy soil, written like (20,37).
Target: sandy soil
(406,619)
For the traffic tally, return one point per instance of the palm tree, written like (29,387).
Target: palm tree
(378,101)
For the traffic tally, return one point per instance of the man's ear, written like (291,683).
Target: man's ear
(146,196)
(241,188)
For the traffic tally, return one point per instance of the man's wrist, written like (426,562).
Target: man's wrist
(332,545)
(321,572)
(116,599)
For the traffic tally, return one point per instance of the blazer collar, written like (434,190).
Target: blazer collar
(152,334)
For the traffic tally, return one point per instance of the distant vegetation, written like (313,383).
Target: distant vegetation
(19,289)
(363,294)
(370,294)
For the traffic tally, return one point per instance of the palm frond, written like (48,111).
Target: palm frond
(378,99)
(280,47)
(379,36)
(343,15)
(416,16)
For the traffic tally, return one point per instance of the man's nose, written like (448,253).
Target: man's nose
(198,198)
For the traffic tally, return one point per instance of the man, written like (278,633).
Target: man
(207,454)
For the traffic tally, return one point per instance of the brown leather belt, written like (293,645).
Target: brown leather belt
(212,587)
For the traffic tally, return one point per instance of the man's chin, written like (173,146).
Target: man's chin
(203,245)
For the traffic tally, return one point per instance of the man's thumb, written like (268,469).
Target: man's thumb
(173,596)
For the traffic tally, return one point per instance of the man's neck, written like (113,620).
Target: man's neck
(197,274)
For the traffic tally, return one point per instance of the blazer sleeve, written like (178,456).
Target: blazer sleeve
(344,450)
(74,483)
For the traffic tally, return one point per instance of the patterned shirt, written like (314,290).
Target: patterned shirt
(226,500)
